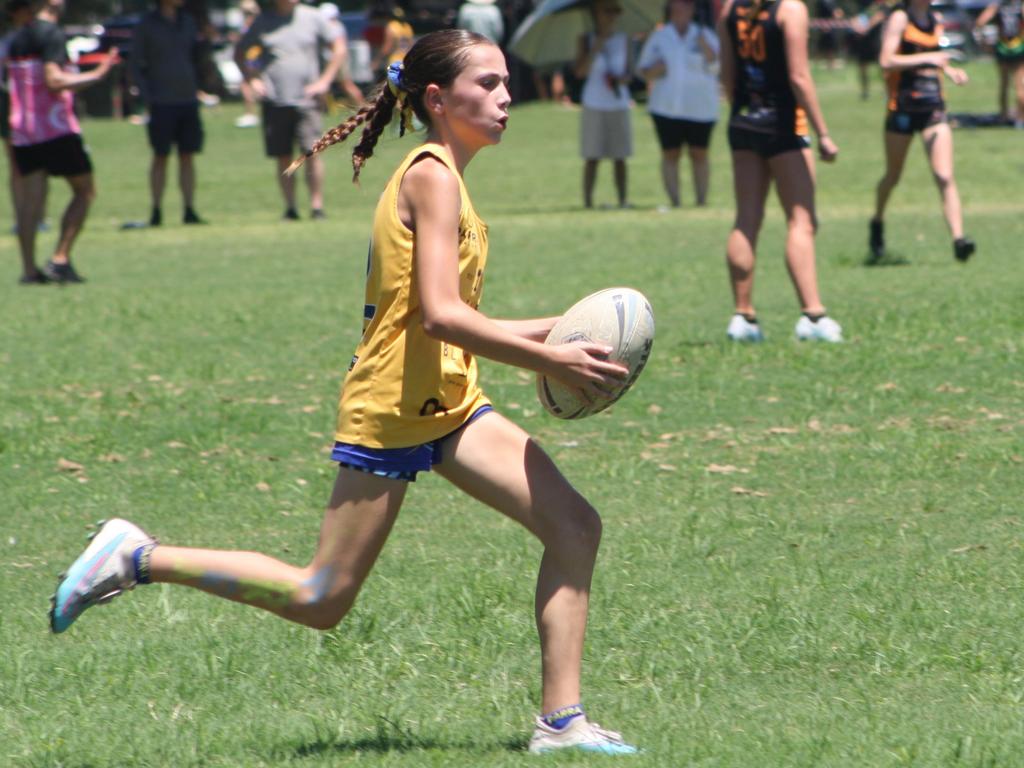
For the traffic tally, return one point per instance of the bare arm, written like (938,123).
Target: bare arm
(429,204)
(986,15)
(59,80)
(727,66)
(890,59)
(585,55)
(322,84)
(793,20)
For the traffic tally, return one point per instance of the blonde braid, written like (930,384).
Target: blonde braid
(375,125)
(382,104)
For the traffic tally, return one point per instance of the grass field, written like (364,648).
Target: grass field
(812,554)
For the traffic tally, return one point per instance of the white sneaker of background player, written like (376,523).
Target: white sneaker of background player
(826,329)
(741,329)
(579,734)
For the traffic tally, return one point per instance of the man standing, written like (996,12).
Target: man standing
(46,137)
(163,65)
(279,57)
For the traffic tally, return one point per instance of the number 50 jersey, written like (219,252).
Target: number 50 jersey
(763,99)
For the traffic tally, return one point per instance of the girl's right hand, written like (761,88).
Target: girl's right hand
(827,149)
(585,365)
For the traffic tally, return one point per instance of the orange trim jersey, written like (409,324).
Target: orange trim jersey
(918,89)
(404,388)
(763,98)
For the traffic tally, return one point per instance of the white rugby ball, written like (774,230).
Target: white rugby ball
(619,317)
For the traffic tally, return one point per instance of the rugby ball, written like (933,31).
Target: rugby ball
(619,317)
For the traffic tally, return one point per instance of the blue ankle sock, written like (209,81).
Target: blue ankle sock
(561,717)
(140,557)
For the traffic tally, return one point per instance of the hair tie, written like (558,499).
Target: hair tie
(395,70)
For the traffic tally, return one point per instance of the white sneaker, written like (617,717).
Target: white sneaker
(101,573)
(579,734)
(825,329)
(247,121)
(741,329)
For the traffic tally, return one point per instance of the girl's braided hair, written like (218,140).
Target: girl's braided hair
(436,58)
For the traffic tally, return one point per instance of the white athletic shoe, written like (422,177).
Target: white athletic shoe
(579,734)
(741,329)
(101,573)
(247,121)
(825,329)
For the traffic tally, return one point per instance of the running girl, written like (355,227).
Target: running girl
(411,403)
(766,76)
(914,66)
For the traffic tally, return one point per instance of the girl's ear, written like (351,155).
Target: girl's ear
(433,99)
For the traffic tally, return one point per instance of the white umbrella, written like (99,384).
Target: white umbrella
(549,34)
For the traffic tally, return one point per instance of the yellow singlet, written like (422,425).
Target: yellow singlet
(404,388)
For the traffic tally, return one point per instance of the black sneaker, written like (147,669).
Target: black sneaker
(37,279)
(290,214)
(317,214)
(876,239)
(62,273)
(191,217)
(156,218)
(963,248)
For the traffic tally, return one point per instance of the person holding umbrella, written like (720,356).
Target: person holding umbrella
(602,58)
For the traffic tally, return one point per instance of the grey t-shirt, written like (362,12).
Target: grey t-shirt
(163,58)
(289,56)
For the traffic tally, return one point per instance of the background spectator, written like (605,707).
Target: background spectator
(163,65)
(482,17)
(680,58)
(605,130)
(279,56)
(47,139)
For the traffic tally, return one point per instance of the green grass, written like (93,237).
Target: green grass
(848,595)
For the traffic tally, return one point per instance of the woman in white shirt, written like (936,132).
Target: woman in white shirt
(602,58)
(681,60)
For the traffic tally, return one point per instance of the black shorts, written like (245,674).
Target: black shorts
(175,124)
(908,123)
(765,144)
(673,132)
(284,127)
(64,156)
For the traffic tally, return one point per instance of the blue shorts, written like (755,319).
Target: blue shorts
(397,463)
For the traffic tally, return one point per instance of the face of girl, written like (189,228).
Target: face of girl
(681,12)
(476,103)
(606,14)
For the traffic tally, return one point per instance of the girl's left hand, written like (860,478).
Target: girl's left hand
(827,149)
(957,75)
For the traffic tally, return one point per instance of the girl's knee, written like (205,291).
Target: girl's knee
(580,526)
(942,180)
(322,602)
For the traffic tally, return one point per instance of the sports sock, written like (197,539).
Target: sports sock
(140,558)
(562,717)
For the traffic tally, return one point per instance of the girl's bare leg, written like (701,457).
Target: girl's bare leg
(938,143)
(751,179)
(495,461)
(670,174)
(794,182)
(362,510)
(896,147)
(620,181)
(701,173)
(589,179)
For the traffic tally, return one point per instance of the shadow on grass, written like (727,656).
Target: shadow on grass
(889,260)
(395,739)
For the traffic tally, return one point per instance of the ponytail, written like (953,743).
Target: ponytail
(436,58)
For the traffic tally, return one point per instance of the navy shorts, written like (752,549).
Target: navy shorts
(674,132)
(397,463)
(63,156)
(911,122)
(765,144)
(175,124)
